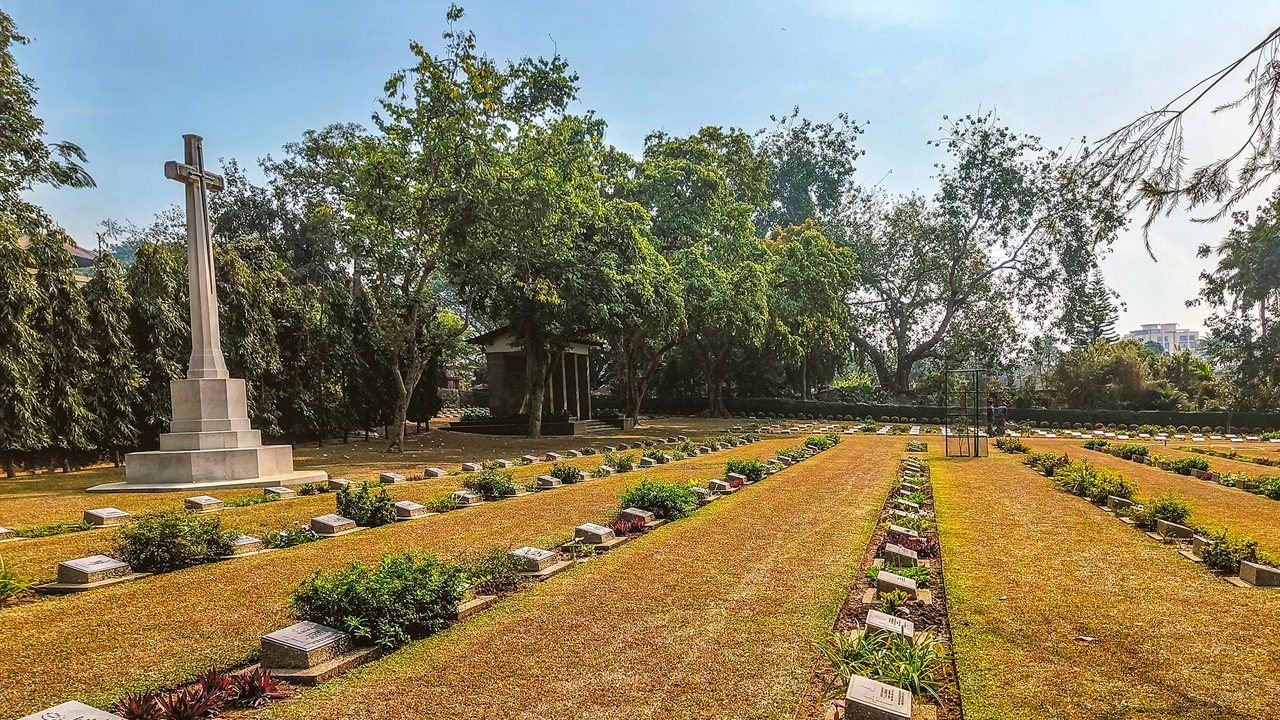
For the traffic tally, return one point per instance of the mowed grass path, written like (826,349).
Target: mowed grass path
(1240,512)
(163,630)
(710,617)
(1031,569)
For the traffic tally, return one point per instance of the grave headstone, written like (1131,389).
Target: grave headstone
(6,533)
(530,459)
(467,498)
(202,503)
(72,710)
(552,456)
(336,484)
(532,559)
(1259,574)
(605,470)
(434,472)
(572,453)
(548,481)
(245,545)
(610,448)
(91,570)
(703,450)
(633,513)
(1199,543)
(390,478)
(593,534)
(720,487)
(502,463)
(909,487)
(1172,530)
(105,517)
(647,462)
(899,535)
(280,492)
(583,476)
(471,467)
(331,525)
(891,624)
(1117,503)
(408,510)
(888,582)
(899,556)
(869,699)
(742,479)
(906,504)
(303,645)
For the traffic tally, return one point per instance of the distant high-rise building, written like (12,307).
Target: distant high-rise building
(1168,336)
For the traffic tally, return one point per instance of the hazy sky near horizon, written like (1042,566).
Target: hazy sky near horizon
(126,79)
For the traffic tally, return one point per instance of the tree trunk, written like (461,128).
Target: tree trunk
(537,370)
(66,464)
(9,468)
(804,377)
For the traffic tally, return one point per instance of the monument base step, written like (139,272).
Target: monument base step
(551,571)
(327,670)
(59,588)
(297,477)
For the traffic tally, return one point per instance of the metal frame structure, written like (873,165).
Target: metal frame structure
(964,426)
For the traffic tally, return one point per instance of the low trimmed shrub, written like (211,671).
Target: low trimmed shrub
(172,539)
(1166,507)
(384,604)
(1225,553)
(1012,445)
(366,505)
(753,470)
(295,534)
(667,501)
(492,572)
(493,484)
(565,472)
(622,462)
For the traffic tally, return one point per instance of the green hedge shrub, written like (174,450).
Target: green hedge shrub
(753,470)
(366,505)
(492,484)
(171,539)
(667,501)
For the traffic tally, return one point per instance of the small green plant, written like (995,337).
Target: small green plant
(564,472)
(295,534)
(315,488)
(11,585)
(753,470)
(50,530)
(914,664)
(249,500)
(1166,507)
(492,484)
(367,505)
(917,497)
(387,603)
(667,501)
(171,539)
(919,573)
(657,455)
(492,572)
(1011,445)
(442,503)
(892,600)
(622,462)
(1224,553)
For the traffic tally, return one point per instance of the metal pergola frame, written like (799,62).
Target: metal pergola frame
(963,428)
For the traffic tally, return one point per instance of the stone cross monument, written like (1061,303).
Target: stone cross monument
(211,444)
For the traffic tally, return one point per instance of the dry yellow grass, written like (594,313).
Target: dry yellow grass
(1212,504)
(1031,569)
(161,631)
(710,617)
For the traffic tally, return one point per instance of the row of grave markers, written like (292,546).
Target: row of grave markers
(1158,437)
(310,653)
(866,698)
(97,571)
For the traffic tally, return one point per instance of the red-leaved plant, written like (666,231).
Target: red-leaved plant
(139,706)
(625,526)
(254,688)
(192,703)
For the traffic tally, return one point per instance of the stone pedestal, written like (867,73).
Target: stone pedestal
(211,446)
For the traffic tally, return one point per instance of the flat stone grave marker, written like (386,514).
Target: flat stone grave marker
(593,534)
(502,463)
(889,581)
(1170,530)
(467,498)
(6,533)
(533,560)
(245,545)
(552,456)
(471,467)
(647,462)
(548,481)
(409,510)
(1259,574)
(332,525)
(530,459)
(869,699)
(572,453)
(786,461)
(610,448)
(703,450)
(909,487)
(720,487)
(704,495)
(303,645)
(899,556)
(633,513)
(92,570)
(583,476)
(336,484)
(736,476)
(280,492)
(202,503)
(390,478)
(605,470)
(898,534)
(72,710)
(906,503)
(682,438)
(1116,503)
(891,624)
(434,472)
(105,517)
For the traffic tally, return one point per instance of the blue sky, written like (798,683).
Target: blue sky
(125,79)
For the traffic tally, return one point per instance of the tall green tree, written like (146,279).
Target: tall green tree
(250,281)
(159,329)
(1010,220)
(1089,313)
(114,383)
(66,361)
(811,169)
(23,429)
